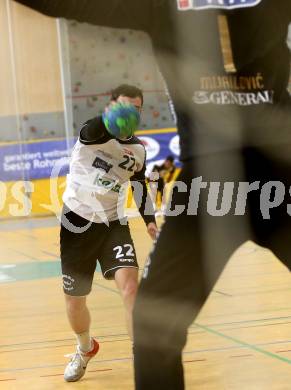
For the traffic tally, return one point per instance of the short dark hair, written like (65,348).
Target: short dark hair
(126,90)
(170,158)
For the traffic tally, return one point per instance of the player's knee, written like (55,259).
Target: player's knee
(75,304)
(129,290)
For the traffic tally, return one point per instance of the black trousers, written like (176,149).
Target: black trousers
(192,250)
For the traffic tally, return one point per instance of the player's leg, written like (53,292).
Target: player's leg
(127,282)
(78,265)
(270,205)
(189,256)
(79,319)
(169,296)
(118,261)
(168,300)
(87,347)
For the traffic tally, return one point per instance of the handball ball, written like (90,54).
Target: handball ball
(121,120)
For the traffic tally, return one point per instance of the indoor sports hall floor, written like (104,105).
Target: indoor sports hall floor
(241,340)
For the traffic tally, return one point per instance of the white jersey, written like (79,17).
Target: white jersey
(99,175)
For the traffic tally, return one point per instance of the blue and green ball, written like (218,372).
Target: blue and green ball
(121,120)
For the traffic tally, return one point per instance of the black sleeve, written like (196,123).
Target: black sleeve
(285,6)
(288,9)
(132,14)
(142,197)
(93,132)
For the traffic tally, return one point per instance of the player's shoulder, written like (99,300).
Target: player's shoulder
(93,131)
(134,140)
(94,122)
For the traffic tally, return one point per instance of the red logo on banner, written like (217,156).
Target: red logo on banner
(184,4)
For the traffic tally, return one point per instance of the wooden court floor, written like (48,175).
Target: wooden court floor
(240,341)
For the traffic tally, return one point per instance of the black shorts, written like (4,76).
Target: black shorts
(111,245)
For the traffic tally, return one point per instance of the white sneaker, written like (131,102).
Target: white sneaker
(77,366)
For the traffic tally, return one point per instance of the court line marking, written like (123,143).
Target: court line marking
(259,325)
(238,356)
(125,359)
(25,255)
(61,340)
(237,295)
(246,321)
(236,347)
(247,313)
(62,364)
(186,352)
(54,255)
(241,344)
(104,369)
(251,289)
(247,275)
(57,346)
(245,344)
(223,293)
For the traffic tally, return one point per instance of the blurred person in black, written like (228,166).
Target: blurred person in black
(226,64)
(159,177)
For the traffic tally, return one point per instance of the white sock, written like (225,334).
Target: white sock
(84,341)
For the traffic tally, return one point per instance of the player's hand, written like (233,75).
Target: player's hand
(153,230)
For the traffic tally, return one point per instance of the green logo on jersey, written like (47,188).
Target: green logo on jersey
(105,182)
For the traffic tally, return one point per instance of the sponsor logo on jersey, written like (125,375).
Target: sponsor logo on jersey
(127,151)
(229,97)
(185,5)
(107,183)
(99,163)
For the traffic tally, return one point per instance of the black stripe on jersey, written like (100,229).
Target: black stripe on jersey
(143,199)
(94,132)
(131,141)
